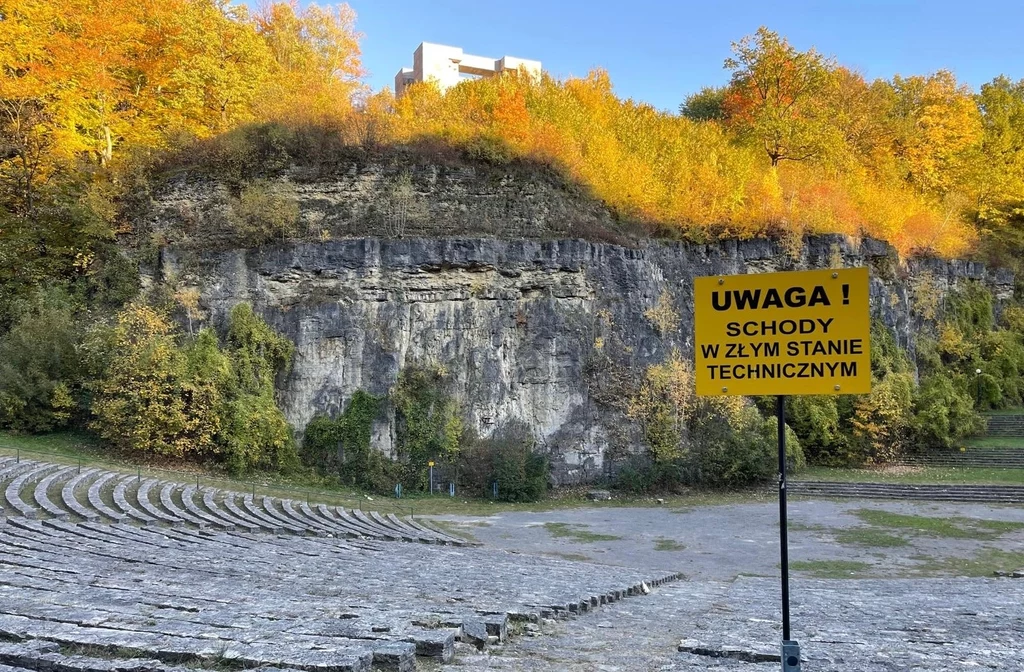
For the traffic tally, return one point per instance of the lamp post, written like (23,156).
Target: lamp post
(977,388)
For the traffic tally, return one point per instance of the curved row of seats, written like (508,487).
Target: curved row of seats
(32,489)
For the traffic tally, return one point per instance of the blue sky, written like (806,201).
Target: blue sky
(659,51)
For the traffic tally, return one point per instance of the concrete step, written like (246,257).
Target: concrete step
(949,493)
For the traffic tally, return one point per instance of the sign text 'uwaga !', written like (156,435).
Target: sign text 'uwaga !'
(804,332)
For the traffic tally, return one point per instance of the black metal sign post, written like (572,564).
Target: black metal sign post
(790,648)
(798,333)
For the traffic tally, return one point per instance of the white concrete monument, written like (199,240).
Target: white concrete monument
(449,65)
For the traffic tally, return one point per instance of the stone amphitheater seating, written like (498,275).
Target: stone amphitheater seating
(41,490)
(106,572)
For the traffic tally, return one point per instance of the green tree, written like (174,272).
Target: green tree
(816,422)
(943,413)
(708,104)
(428,417)
(257,352)
(256,434)
(40,365)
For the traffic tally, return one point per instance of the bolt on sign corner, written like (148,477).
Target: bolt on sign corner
(800,332)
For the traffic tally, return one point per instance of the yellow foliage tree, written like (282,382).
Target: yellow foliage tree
(146,401)
(316,54)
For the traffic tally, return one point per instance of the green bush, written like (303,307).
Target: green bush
(943,413)
(970,308)
(509,459)
(429,425)
(199,399)
(256,436)
(146,401)
(112,280)
(40,369)
(240,154)
(816,422)
(636,475)
(745,454)
(489,149)
(321,445)
(724,449)
(1002,362)
(263,212)
(639,474)
(341,447)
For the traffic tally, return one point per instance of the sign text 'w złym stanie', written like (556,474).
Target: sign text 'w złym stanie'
(803,332)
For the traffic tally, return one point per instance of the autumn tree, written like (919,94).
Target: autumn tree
(939,129)
(147,401)
(107,73)
(316,56)
(776,97)
(859,111)
(1001,102)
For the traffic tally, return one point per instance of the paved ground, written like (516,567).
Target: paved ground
(729,607)
(933,625)
(314,603)
(722,542)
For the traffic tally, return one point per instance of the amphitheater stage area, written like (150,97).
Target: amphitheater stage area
(232,584)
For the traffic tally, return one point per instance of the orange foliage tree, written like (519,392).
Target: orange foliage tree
(95,75)
(793,144)
(705,179)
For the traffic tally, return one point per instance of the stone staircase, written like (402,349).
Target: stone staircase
(1006,425)
(994,458)
(1002,426)
(984,458)
(40,490)
(989,494)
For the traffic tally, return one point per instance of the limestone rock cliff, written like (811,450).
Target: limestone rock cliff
(521,324)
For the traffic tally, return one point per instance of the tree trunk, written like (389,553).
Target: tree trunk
(108,147)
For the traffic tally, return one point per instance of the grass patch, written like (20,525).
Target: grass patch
(666,544)
(57,444)
(869,536)
(1005,411)
(830,569)
(578,533)
(986,562)
(948,527)
(917,475)
(994,442)
(793,526)
(455,529)
(996,526)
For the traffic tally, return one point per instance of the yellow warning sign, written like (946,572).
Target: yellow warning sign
(802,332)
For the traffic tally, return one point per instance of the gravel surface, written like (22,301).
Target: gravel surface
(722,542)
